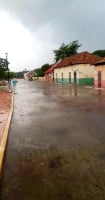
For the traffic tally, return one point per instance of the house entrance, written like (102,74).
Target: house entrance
(56,78)
(62,77)
(99,79)
(75,77)
(69,77)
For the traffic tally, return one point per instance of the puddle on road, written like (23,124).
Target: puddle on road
(28,160)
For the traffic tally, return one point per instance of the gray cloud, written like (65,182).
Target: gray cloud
(67,20)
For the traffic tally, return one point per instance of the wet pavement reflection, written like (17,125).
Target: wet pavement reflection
(48,119)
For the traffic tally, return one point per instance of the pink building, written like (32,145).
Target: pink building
(49,74)
(99,77)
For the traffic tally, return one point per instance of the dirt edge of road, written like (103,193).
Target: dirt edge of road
(4,139)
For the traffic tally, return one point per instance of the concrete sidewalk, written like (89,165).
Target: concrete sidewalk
(6,109)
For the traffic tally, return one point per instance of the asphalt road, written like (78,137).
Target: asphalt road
(50,120)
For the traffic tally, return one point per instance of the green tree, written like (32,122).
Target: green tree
(66,50)
(3,68)
(12,75)
(2,75)
(40,72)
(100,53)
(19,75)
(45,67)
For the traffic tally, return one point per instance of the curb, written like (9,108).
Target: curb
(5,135)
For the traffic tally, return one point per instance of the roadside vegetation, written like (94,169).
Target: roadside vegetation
(65,50)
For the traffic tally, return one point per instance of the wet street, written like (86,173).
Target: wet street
(56,145)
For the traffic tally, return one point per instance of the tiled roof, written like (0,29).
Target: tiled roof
(100,62)
(79,58)
(51,69)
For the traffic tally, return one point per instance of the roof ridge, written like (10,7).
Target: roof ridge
(79,58)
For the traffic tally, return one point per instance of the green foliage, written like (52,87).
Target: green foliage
(35,74)
(2,75)
(100,53)
(12,75)
(66,50)
(45,67)
(19,75)
(3,68)
(40,72)
(3,65)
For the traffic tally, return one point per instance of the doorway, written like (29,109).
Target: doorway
(99,79)
(75,77)
(56,78)
(69,77)
(62,77)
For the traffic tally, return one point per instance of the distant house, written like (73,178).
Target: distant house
(49,74)
(76,69)
(28,75)
(99,75)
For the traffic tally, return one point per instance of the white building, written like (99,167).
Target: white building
(77,69)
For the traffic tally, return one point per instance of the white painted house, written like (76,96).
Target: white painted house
(77,69)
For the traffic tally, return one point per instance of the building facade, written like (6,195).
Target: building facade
(76,69)
(49,74)
(28,75)
(99,75)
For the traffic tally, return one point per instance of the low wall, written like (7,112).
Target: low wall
(4,88)
(39,78)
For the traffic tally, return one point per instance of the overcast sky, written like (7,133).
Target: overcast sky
(31,29)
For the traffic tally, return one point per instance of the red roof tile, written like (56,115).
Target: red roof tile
(79,58)
(100,62)
(51,69)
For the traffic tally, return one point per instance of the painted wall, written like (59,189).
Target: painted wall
(100,68)
(49,77)
(84,73)
(25,76)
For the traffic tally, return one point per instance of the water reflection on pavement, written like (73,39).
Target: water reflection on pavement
(48,119)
